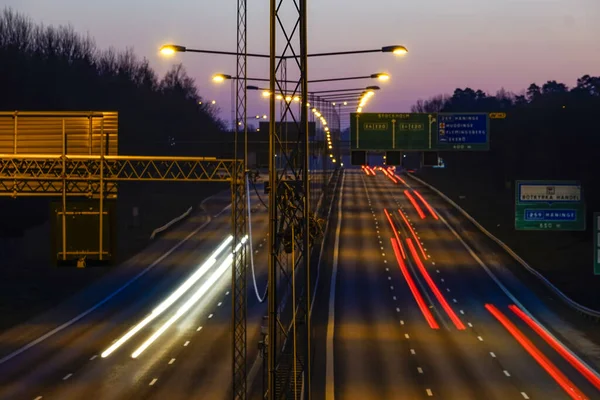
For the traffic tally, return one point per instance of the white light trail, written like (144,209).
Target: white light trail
(180,291)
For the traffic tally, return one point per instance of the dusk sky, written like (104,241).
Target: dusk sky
(483,44)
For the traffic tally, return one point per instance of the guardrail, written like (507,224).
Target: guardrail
(170,223)
(571,303)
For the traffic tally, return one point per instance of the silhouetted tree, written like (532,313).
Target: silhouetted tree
(56,68)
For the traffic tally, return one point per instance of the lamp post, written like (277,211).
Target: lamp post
(171,49)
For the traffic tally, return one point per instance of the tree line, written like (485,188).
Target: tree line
(48,68)
(57,69)
(550,132)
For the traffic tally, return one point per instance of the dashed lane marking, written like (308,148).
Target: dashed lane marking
(153,381)
(67,376)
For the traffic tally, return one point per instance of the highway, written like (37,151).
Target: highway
(462,341)
(182,347)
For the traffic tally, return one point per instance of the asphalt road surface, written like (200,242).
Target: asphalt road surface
(463,342)
(192,356)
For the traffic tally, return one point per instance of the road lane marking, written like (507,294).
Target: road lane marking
(406,336)
(172,361)
(413,352)
(38,398)
(391,287)
(106,299)
(210,316)
(429,392)
(67,376)
(92,358)
(448,290)
(227,293)
(387,269)
(462,312)
(153,381)
(480,338)
(219,305)
(433,263)
(394,297)
(198,329)
(383,254)
(524,395)
(397,309)
(186,343)
(506,373)
(401,322)
(420,370)
(389,278)
(385,261)
(492,354)
(437,270)
(470,324)
(329,362)
(454,300)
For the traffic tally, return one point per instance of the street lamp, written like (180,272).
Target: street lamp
(170,49)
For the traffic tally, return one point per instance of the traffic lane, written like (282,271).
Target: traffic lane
(456,363)
(369,353)
(204,369)
(578,332)
(471,289)
(573,331)
(120,376)
(72,347)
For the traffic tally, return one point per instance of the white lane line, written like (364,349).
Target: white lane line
(381,247)
(506,373)
(470,324)
(492,354)
(454,300)
(219,305)
(92,358)
(172,361)
(227,293)
(462,312)
(387,269)
(406,336)
(260,245)
(524,395)
(480,338)
(389,278)
(437,270)
(385,261)
(448,290)
(329,362)
(394,297)
(186,343)
(420,370)
(38,398)
(210,316)
(429,392)
(442,279)
(401,322)
(391,287)
(153,381)
(397,309)
(106,299)
(383,254)
(412,351)
(432,263)
(198,329)
(380,242)
(67,376)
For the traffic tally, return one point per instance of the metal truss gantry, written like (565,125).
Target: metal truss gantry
(238,284)
(290,220)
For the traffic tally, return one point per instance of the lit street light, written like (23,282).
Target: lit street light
(171,49)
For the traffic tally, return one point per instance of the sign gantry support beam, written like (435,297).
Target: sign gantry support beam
(238,284)
(289,347)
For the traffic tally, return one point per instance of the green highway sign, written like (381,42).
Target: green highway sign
(419,131)
(549,205)
(391,131)
(597,243)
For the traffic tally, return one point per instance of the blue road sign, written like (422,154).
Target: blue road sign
(467,130)
(550,215)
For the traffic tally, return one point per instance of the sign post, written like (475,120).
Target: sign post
(597,243)
(549,205)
